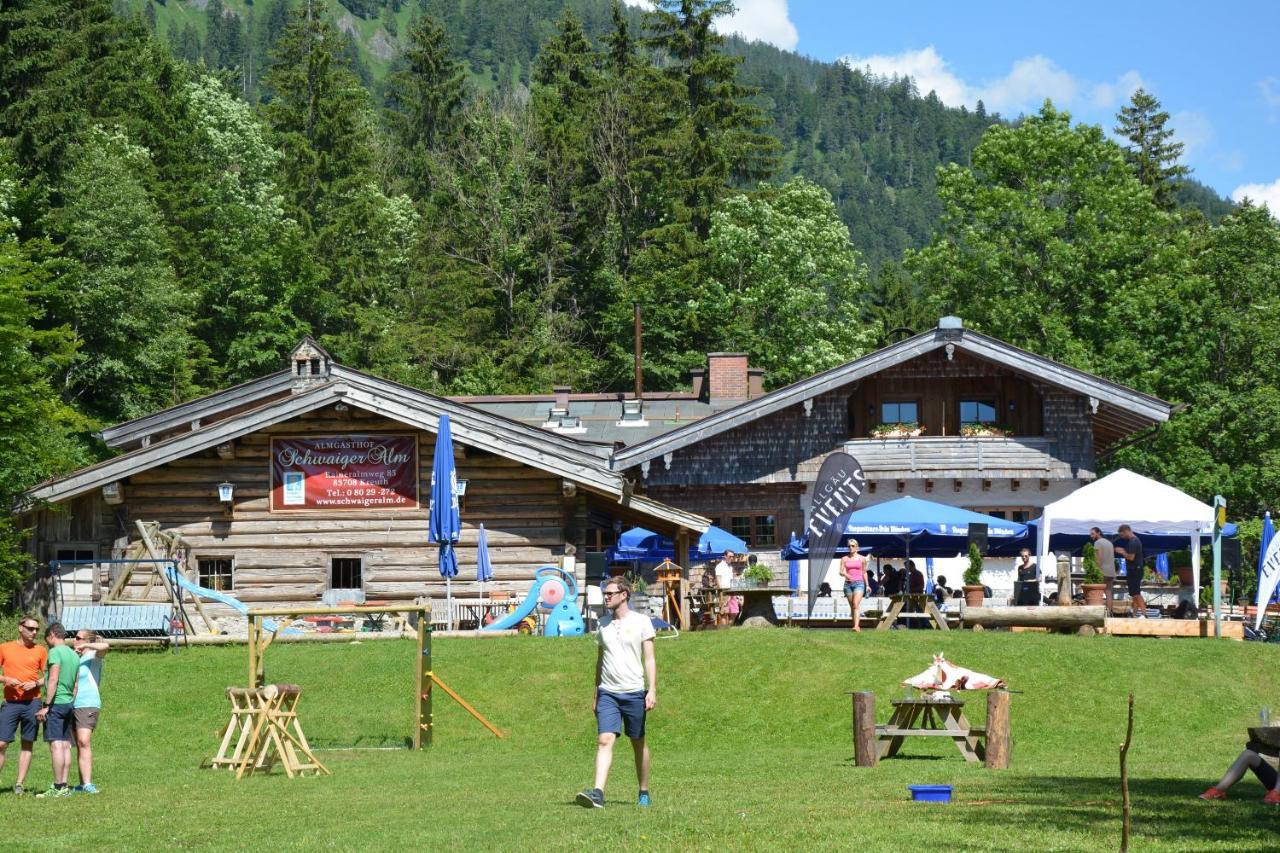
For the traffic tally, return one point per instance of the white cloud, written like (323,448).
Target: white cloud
(1108,96)
(1270,87)
(754,20)
(1030,80)
(1268,194)
(1193,130)
(762,20)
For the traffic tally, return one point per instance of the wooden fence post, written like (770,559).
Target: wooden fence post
(866,752)
(997,730)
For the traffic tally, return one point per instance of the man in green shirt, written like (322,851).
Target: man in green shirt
(58,711)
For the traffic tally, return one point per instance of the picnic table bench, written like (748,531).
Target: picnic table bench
(931,718)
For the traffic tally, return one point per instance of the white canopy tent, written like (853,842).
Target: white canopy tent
(1124,497)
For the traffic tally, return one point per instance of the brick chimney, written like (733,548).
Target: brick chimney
(755,382)
(727,377)
(561,405)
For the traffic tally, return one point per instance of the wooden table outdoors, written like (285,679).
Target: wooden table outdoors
(923,603)
(757,603)
(931,718)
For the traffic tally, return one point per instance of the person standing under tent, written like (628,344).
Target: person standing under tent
(22,662)
(88,703)
(854,568)
(1028,580)
(1105,552)
(724,570)
(1129,546)
(57,714)
(626,689)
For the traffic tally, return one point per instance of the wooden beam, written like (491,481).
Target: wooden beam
(1043,617)
(1171,628)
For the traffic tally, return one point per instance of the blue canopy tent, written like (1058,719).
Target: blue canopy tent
(647,546)
(911,526)
(1153,543)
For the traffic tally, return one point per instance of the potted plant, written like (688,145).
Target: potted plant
(973,591)
(1180,565)
(981,430)
(639,591)
(1095,589)
(908,429)
(759,574)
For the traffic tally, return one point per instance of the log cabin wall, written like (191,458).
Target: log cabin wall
(785,447)
(938,385)
(286,557)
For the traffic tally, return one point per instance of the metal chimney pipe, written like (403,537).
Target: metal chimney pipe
(638,357)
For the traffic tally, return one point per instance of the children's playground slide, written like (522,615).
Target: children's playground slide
(553,590)
(231,601)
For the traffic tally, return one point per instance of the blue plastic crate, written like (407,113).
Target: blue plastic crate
(930,793)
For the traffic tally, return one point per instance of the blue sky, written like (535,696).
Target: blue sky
(1214,66)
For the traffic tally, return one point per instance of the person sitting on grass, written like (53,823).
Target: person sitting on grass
(1250,759)
(88,703)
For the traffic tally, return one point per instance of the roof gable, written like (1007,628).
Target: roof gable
(1118,409)
(584,463)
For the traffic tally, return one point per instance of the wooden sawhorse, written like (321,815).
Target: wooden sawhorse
(265,727)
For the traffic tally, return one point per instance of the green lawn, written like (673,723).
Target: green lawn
(751,749)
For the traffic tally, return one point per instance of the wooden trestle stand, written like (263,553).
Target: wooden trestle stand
(265,728)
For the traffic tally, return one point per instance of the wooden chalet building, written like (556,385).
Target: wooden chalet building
(994,428)
(1001,430)
(329,471)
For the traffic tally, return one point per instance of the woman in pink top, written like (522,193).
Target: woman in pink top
(854,568)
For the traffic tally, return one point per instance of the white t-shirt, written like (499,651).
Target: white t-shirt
(622,666)
(724,574)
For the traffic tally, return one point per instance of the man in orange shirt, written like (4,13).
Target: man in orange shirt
(21,662)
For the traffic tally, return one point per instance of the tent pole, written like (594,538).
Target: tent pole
(1195,570)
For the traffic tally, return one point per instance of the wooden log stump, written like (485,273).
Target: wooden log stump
(997,752)
(866,752)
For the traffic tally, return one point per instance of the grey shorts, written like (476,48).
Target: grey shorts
(86,718)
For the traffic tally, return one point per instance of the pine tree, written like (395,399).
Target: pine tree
(1151,153)
(424,102)
(715,137)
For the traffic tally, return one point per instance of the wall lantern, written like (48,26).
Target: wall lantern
(226,492)
(112,494)
(461,488)
(568,488)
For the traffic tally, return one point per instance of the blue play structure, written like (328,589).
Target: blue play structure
(555,591)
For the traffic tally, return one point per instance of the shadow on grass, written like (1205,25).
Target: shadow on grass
(1165,809)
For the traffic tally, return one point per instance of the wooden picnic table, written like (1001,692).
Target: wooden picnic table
(921,603)
(931,718)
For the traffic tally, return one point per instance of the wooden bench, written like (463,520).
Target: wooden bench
(120,621)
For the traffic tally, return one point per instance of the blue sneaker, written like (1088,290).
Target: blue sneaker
(592,798)
(643,799)
(87,788)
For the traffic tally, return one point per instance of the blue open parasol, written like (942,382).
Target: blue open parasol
(444,521)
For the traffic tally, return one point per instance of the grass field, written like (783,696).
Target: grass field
(751,743)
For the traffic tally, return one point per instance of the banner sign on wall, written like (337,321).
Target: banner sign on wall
(840,484)
(344,472)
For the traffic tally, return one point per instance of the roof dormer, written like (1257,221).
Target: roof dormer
(310,364)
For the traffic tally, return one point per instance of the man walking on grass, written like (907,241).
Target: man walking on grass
(22,662)
(624,664)
(57,713)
